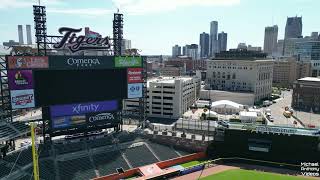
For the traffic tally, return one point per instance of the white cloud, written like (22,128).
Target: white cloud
(138,7)
(5,4)
(85,12)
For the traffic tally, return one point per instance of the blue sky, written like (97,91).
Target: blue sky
(154,26)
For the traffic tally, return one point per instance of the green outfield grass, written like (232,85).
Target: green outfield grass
(192,163)
(240,174)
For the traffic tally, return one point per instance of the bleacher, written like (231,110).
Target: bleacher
(22,157)
(21,126)
(69,147)
(108,162)
(46,170)
(4,169)
(79,168)
(100,142)
(162,151)
(7,132)
(140,156)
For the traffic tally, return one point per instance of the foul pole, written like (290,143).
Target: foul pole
(34,153)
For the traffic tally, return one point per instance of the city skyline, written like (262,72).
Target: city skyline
(186,20)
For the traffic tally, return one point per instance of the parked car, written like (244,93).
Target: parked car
(271,119)
(223,123)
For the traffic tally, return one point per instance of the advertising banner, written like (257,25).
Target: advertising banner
(128,61)
(81,62)
(135,75)
(105,118)
(135,90)
(83,108)
(27,62)
(20,79)
(68,121)
(22,99)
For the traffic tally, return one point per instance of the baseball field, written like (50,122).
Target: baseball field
(241,174)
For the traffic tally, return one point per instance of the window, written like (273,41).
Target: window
(167,104)
(156,107)
(168,114)
(167,109)
(233,76)
(153,112)
(167,92)
(156,91)
(169,87)
(156,97)
(169,98)
(156,102)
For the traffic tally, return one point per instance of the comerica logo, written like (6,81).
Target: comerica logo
(100,117)
(85,108)
(83,62)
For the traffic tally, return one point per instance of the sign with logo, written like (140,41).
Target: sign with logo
(128,61)
(279,130)
(27,62)
(83,108)
(68,121)
(79,43)
(135,75)
(106,118)
(81,62)
(22,99)
(20,79)
(135,90)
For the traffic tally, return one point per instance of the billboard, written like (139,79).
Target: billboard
(22,99)
(83,108)
(81,62)
(128,61)
(135,75)
(102,118)
(27,62)
(55,87)
(66,122)
(135,90)
(20,79)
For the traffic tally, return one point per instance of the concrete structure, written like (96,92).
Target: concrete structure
(172,71)
(309,51)
(241,74)
(20,34)
(238,97)
(306,94)
(293,27)
(204,45)
(176,51)
(213,42)
(254,48)
(168,97)
(28,33)
(290,45)
(222,41)
(270,39)
(284,72)
(242,46)
(10,43)
(280,45)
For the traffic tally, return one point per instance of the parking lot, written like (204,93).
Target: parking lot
(277,110)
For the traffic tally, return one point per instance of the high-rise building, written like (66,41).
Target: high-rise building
(222,41)
(270,40)
(176,51)
(314,35)
(193,51)
(253,48)
(125,44)
(20,34)
(204,45)
(309,51)
(242,46)
(28,33)
(293,27)
(213,42)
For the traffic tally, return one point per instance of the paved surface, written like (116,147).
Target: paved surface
(278,108)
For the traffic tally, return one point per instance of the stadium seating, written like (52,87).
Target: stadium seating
(25,157)
(182,152)
(43,150)
(21,126)
(162,151)
(4,169)
(140,156)
(107,163)
(76,169)
(69,147)
(100,142)
(126,137)
(6,132)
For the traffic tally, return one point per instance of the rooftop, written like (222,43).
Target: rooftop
(315,79)
(167,79)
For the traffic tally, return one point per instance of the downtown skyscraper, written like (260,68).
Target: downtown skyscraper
(204,45)
(222,41)
(293,27)
(270,39)
(213,41)
(176,51)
